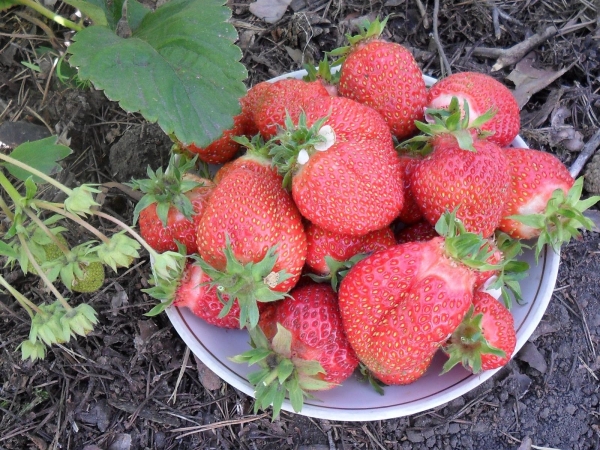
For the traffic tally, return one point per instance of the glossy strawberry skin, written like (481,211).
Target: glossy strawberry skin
(416,232)
(498,327)
(410,213)
(385,76)
(350,120)
(312,315)
(250,104)
(474,182)
(481,92)
(322,243)
(250,206)
(353,187)
(224,148)
(535,175)
(194,293)
(178,227)
(400,305)
(284,96)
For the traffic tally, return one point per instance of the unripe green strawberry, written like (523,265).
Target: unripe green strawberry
(52,252)
(92,279)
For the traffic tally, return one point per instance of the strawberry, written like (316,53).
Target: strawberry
(420,231)
(485,339)
(482,93)
(251,238)
(462,173)
(385,76)
(301,347)
(399,305)
(410,213)
(189,287)
(250,104)
(543,199)
(224,148)
(331,255)
(288,96)
(172,206)
(341,247)
(348,119)
(348,187)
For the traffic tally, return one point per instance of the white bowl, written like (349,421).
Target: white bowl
(355,400)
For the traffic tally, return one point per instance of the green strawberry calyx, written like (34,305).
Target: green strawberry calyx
(293,146)
(454,121)
(166,282)
(323,71)
(246,283)
(53,324)
(562,219)
(281,373)
(167,188)
(337,270)
(369,31)
(119,251)
(467,344)
(476,252)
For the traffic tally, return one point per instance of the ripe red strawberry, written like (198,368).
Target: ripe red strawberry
(172,206)
(301,346)
(224,148)
(284,97)
(251,238)
(347,187)
(482,93)
(417,232)
(400,305)
(462,173)
(250,104)
(543,200)
(348,119)
(385,76)
(190,287)
(341,247)
(485,339)
(474,183)
(410,213)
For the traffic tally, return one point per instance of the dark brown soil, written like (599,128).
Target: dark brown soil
(132,384)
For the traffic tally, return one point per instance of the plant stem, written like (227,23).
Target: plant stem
(6,209)
(63,248)
(27,304)
(41,273)
(10,189)
(54,207)
(50,14)
(37,173)
(126,228)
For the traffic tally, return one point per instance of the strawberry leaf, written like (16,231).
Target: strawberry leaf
(179,68)
(41,155)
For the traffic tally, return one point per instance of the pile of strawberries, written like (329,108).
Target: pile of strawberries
(362,223)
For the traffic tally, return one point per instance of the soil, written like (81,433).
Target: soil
(132,383)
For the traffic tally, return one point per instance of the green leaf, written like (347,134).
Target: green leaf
(179,68)
(7,250)
(96,11)
(41,155)
(135,14)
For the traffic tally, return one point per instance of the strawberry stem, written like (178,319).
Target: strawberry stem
(27,304)
(41,273)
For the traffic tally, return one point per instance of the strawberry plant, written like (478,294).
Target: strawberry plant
(177,65)
(36,242)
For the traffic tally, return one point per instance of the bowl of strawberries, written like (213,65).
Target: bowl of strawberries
(373,244)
